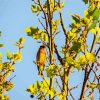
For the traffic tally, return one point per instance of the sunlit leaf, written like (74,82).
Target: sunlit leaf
(63,3)
(37,34)
(90,57)
(35,9)
(77,65)
(21,40)
(52,70)
(92,85)
(30,31)
(70,61)
(17,57)
(82,60)
(96,30)
(98,40)
(93,25)
(95,14)
(52,92)
(62,95)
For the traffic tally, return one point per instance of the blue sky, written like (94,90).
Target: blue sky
(15,16)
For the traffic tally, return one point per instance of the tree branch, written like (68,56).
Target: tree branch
(62,24)
(45,17)
(71,94)
(87,73)
(58,55)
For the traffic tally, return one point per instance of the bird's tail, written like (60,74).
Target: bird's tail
(40,73)
(40,70)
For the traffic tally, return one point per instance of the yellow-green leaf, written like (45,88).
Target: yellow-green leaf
(21,40)
(9,55)
(90,57)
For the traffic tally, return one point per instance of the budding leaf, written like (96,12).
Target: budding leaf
(9,55)
(21,40)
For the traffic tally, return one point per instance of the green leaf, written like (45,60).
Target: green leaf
(1,45)
(40,97)
(76,18)
(96,14)
(31,89)
(52,93)
(21,40)
(76,46)
(38,85)
(93,25)
(70,61)
(35,9)
(9,55)
(77,66)
(37,34)
(98,40)
(57,22)
(74,28)
(62,4)
(30,31)
(52,70)
(82,60)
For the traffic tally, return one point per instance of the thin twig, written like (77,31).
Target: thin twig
(42,24)
(93,72)
(71,94)
(58,84)
(58,55)
(12,78)
(74,87)
(87,73)
(45,17)
(62,24)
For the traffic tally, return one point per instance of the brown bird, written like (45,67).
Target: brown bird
(41,59)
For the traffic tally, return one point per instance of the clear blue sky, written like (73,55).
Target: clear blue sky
(15,16)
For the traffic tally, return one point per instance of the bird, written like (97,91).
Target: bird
(41,59)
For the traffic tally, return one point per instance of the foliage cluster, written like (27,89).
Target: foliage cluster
(77,54)
(7,67)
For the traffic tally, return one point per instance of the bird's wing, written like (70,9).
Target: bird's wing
(42,58)
(38,58)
